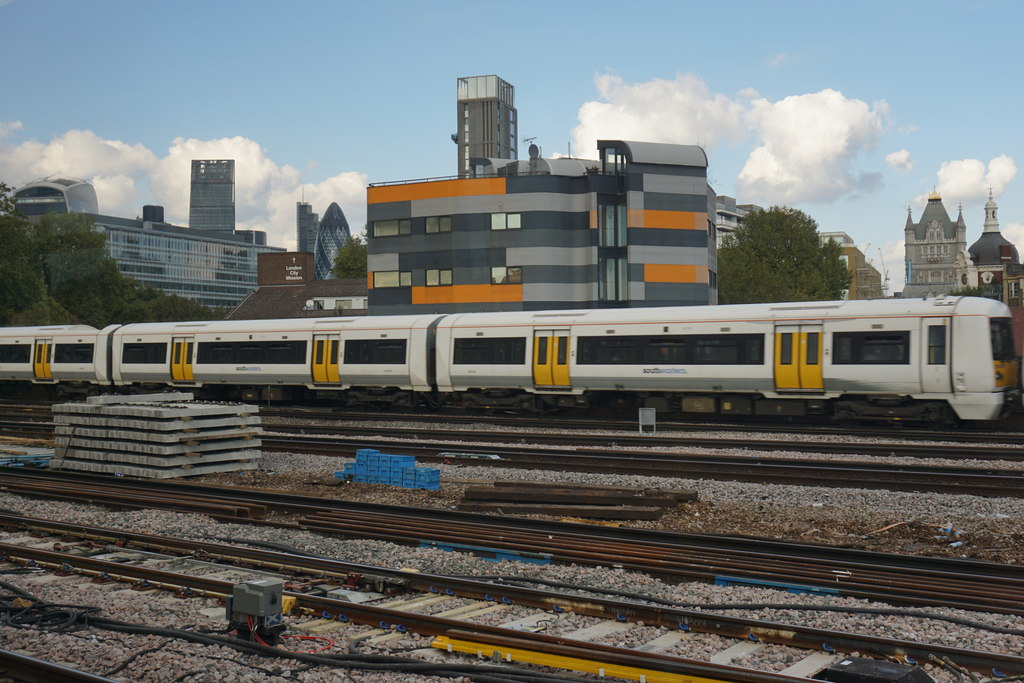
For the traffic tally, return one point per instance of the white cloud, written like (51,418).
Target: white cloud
(778,60)
(900,160)
(681,111)
(1014,233)
(807,144)
(890,261)
(126,176)
(968,180)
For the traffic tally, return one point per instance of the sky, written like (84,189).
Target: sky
(850,112)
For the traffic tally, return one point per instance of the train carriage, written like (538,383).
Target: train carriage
(50,354)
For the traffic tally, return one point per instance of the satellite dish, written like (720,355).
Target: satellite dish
(534,151)
(309,303)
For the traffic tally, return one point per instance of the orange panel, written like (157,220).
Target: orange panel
(369,280)
(657,272)
(635,218)
(680,220)
(467,294)
(593,218)
(464,187)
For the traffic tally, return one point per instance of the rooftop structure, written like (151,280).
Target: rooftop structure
(486,121)
(212,200)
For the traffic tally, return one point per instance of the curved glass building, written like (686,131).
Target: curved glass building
(330,237)
(59,195)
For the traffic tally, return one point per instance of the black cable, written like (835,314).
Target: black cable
(883,611)
(263,544)
(123,665)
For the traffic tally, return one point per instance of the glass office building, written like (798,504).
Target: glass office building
(212,201)
(330,238)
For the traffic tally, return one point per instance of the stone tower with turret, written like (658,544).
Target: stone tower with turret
(932,245)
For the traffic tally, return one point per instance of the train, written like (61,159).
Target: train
(935,360)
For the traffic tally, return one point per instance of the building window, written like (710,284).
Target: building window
(612,225)
(506,275)
(506,221)
(390,228)
(392,278)
(439,277)
(613,279)
(612,161)
(439,224)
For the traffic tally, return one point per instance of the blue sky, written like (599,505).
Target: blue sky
(850,112)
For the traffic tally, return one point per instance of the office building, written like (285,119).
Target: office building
(631,230)
(331,236)
(306,224)
(865,280)
(212,268)
(486,122)
(57,195)
(729,215)
(212,200)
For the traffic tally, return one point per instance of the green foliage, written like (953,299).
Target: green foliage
(968,291)
(351,261)
(56,271)
(777,255)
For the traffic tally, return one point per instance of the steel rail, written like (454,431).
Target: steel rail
(667,617)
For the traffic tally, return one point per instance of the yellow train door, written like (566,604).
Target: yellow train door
(181,359)
(551,358)
(325,359)
(798,358)
(43,354)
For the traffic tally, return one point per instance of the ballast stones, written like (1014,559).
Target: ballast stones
(156,436)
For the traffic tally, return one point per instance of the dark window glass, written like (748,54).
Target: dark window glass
(542,350)
(563,350)
(695,349)
(871,348)
(936,345)
(786,349)
(812,348)
(148,352)
(15,353)
(1002,339)
(72,353)
(375,351)
(282,352)
(492,351)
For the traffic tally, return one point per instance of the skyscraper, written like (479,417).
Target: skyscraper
(306,223)
(486,121)
(212,203)
(330,237)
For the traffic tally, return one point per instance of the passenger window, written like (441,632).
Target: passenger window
(786,348)
(812,348)
(936,345)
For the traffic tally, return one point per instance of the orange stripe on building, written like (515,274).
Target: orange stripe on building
(678,220)
(593,218)
(463,187)
(665,272)
(369,280)
(467,294)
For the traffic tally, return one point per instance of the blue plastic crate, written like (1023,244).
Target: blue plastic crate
(367,451)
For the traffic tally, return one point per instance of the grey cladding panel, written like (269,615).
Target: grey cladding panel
(387,211)
(660,201)
(662,237)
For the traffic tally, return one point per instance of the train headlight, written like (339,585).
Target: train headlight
(999,376)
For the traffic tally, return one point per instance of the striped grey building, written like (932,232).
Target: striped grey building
(633,229)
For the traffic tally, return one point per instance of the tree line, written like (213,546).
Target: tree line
(56,271)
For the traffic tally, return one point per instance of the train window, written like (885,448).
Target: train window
(786,349)
(280,352)
(812,347)
(494,351)
(1002,339)
(15,353)
(72,353)
(542,350)
(374,351)
(695,349)
(563,350)
(871,348)
(936,345)
(148,352)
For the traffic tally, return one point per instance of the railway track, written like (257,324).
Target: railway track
(535,625)
(915,581)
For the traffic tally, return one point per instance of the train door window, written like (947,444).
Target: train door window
(563,350)
(936,345)
(542,351)
(786,349)
(813,347)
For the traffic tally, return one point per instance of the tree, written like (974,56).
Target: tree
(21,286)
(777,255)
(351,261)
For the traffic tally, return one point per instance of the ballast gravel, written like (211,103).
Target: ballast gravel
(939,524)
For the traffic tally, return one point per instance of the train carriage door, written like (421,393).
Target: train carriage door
(325,359)
(936,368)
(181,359)
(798,358)
(551,358)
(42,355)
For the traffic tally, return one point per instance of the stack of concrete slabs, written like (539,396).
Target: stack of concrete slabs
(156,436)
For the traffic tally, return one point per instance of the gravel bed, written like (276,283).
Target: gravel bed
(846,516)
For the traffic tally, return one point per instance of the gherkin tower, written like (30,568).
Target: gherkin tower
(330,237)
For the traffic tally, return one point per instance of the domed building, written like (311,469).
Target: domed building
(330,238)
(989,259)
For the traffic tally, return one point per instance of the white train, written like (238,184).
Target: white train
(909,359)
